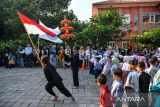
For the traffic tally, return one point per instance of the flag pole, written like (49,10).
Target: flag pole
(38,42)
(35,50)
(38,45)
(38,39)
(32,43)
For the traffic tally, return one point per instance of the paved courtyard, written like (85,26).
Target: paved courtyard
(24,87)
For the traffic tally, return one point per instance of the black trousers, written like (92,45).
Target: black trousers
(80,63)
(6,61)
(28,60)
(91,71)
(75,76)
(35,61)
(60,86)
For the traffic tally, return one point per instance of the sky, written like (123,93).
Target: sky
(83,8)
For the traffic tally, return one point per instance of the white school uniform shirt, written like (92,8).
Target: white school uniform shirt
(133,80)
(81,55)
(28,50)
(117,89)
(87,52)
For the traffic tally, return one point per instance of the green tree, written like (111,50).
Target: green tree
(34,9)
(80,38)
(2,26)
(102,28)
(150,38)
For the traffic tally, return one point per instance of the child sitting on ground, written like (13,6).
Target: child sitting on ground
(105,93)
(12,60)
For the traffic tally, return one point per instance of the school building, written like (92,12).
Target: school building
(141,15)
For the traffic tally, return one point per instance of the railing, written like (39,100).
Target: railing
(148,26)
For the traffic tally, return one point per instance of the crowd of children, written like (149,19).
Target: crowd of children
(129,79)
(124,77)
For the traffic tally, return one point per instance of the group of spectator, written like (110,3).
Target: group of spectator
(118,72)
(27,56)
(123,78)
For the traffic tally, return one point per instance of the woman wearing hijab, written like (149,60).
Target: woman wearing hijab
(142,58)
(155,90)
(125,68)
(106,69)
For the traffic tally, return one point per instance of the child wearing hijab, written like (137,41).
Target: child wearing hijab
(142,58)
(125,68)
(115,66)
(120,57)
(106,69)
(155,90)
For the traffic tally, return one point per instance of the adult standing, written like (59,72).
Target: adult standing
(75,67)
(44,51)
(68,56)
(5,55)
(81,55)
(53,58)
(21,53)
(61,57)
(28,55)
(88,56)
(35,59)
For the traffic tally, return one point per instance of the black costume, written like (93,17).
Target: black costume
(54,79)
(75,69)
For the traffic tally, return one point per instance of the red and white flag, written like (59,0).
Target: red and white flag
(34,28)
(49,38)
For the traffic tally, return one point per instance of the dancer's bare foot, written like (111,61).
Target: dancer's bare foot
(55,98)
(73,99)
